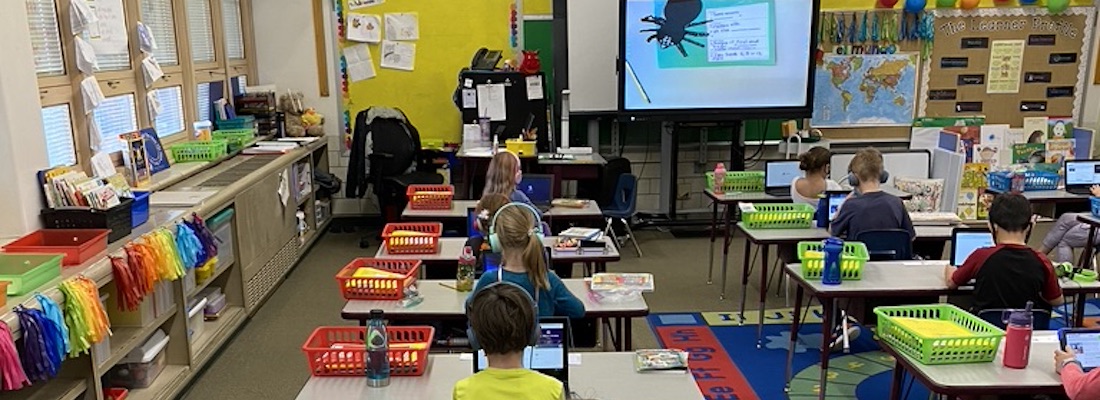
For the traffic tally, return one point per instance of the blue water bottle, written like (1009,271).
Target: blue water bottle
(831,274)
(378,361)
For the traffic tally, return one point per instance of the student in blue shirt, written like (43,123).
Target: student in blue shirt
(870,209)
(519,239)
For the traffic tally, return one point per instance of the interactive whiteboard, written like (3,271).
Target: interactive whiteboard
(907,163)
(593,27)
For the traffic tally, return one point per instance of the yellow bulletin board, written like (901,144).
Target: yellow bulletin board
(451,31)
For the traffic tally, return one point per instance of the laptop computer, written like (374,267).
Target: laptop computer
(964,241)
(550,356)
(1084,343)
(539,188)
(1081,175)
(778,175)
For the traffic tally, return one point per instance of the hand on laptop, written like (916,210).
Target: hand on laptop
(1095,189)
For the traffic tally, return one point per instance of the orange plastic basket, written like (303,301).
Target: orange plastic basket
(377,288)
(342,350)
(430,197)
(423,237)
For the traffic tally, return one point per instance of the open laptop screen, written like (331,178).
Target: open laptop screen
(781,173)
(538,188)
(548,356)
(1083,173)
(965,243)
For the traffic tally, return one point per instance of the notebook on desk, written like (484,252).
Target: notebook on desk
(539,188)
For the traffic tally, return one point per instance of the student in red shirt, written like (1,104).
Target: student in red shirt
(1009,274)
(1078,384)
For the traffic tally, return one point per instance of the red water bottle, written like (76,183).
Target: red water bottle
(1018,337)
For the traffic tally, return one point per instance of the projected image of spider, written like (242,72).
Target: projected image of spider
(672,29)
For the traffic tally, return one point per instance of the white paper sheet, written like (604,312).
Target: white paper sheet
(154,104)
(90,93)
(402,26)
(146,41)
(534,87)
(81,16)
(357,4)
(471,135)
(738,33)
(490,102)
(398,55)
(364,28)
(102,166)
(284,190)
(85,56)
(469,98)
(359,63)
(93,131)
(109,35)
(151,70)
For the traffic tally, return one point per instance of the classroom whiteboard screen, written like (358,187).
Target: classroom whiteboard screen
(907,163)
(593,46)
(722,56)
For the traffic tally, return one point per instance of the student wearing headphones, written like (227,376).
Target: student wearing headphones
(516,233)
(502,317)
(871,209)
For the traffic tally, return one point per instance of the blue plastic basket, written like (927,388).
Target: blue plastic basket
(1095,202)
(1033,180)
(140,210)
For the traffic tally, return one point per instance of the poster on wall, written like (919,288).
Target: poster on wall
(108,35)
(1006,59)
(865,90)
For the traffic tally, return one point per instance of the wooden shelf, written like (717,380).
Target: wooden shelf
(126,339)
(165,386)
(204,284)
(215,333)
(57,389)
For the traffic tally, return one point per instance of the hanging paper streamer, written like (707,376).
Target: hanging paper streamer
(39,342)
(53,313)
(209,242)
(11,370)
(129,289)
(140,259)
(169,266)
(84,315)
(190,249)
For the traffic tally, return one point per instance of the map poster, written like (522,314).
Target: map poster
(1006,58)
(865,90)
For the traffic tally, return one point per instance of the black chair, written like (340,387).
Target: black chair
(397,161)
(1040,319)
(888,244)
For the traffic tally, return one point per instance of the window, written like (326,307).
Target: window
(200,31)
(110,36)
(58,126)
(170,119)
(115,116)
(45,37)
(203,106)
(234,34)
(157,15)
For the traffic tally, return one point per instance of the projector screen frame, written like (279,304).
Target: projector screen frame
(716,114)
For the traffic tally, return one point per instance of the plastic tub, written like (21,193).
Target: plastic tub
(141,367)
(117,219)
(777,216)
(341,350)
(377,288)
(422,237)
(852,259)
(214,306)
(139,211)
(115,393)
(78,245)
(980,344)
(195,324)
(27,272)
(739,181)
(430,197)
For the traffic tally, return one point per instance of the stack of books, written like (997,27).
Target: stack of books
(68,187)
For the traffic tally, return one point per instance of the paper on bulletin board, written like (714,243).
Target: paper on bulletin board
(359,63)
(364,28)
(402,26)
(1006,58)
(398,55)
(108,35)
(490,102)
(357,4)
(534,87)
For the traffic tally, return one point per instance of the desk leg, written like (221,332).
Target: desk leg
(628,335)
(744,279)
(725,252)
(1078,310)
(713,234)
(763,294)
(601,267)
(827,335)
(1086,253)
(795,325)
(897,382)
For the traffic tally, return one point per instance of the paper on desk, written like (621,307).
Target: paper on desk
(364,28)
(469,98)
(398,55)
(490,102)
(359,63)
(471,135)
(534,87)
(402,26)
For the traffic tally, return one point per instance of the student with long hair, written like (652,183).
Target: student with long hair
(504,174)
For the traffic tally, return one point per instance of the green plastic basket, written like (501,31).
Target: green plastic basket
(198,151)
(739,181)
(777,216)
(981,346)
(852,259)
(237,138)
(27,272)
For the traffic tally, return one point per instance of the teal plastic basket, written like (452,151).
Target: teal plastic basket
(777,216)
(979,346)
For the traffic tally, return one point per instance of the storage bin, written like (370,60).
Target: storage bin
(1033,180)
(214,306)
(145,314)
(522,148)
(241,122)
(222,227)
(777,216)
(236,138)
(115,393)
(117,219)
(204,272)
(141,367)
(979,346)
(189,283)
(430,197)
(139,211)
(852,259)
(412,237)
(341,350)
(165,298)
(102,351)
(26,272)
(739,181)
(77,245)
(198,151)
(195,324)
(376,288)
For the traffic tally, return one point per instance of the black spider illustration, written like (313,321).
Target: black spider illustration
(672,29)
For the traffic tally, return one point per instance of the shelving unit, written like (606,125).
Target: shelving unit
(126,339)
(164,387)
(216,331)
(58,389)
(217,273)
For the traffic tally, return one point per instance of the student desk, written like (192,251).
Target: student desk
(458,211)
(444,303)
(1051,196)
(892,279)
(451,248)
(604,376)
(991,378)
(581,167)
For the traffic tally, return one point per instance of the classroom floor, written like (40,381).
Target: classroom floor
(264,360)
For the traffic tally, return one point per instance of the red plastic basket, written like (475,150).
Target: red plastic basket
(78,245)
(377,288)
(342,350)
(430,197)
(426,242)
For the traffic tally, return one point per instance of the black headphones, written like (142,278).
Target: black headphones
(536,332)
(853,180)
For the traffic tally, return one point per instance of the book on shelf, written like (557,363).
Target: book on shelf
(661,360)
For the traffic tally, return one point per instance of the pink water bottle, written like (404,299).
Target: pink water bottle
(719,178)
(1018,337)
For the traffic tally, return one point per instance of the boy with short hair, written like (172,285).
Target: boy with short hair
(868,207)
(503,318)
(1009,274)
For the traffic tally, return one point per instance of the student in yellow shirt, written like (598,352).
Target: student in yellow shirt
(502,317)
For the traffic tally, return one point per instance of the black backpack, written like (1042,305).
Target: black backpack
(391,133)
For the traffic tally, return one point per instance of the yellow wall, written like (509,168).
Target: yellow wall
(538,7)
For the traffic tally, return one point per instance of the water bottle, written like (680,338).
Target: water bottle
(378,361)
(1018,325)
(464,281)
(831,274)
(719,179)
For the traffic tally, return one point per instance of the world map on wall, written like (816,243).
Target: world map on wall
(865,90)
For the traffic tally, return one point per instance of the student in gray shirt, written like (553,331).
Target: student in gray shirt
(871,209)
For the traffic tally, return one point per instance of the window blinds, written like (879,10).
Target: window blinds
(45,37)
(57,126)
(234,33)
(157,15)
(115,116)
(170,120)
(200,31)
(203,106)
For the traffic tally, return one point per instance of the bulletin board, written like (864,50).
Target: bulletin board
(1039,64)
(450,32)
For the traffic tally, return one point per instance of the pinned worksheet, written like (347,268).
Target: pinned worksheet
(359,63)
(402,26)
(490,102)
(364,28)
(398,55)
